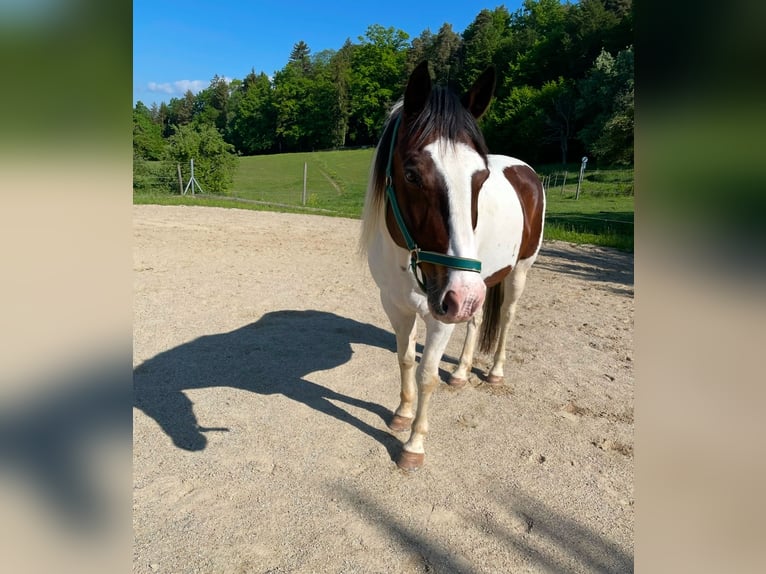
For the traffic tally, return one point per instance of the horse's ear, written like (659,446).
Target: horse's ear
(477,99)
(418,90)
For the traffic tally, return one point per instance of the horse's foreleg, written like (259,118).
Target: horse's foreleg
(459,377)
(427,375)
(406,331)
(514,287)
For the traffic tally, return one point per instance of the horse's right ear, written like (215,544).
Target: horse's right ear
(418,90)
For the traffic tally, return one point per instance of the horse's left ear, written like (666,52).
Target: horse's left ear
(477,99)
(418,90)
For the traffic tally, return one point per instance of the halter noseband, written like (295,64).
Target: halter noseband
(417,255)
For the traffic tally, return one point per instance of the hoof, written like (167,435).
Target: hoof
(400,424)
(494,380)
(410,461)
(457,383)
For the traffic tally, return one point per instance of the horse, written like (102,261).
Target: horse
(450,233)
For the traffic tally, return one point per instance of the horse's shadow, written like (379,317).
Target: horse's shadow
(271,356)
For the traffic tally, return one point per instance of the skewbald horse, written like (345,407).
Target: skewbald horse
(450,232)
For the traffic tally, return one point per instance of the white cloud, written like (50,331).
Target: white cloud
(179,87)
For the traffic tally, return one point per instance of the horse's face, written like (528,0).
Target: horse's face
(439,167)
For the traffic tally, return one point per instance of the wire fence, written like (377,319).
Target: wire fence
(159,176)
(311,182)
(595,183)
(296,181)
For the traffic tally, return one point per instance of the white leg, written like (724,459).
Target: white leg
(427,375)
(406,331)
(514,287)
(459,377)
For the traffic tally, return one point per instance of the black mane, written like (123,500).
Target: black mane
(443,116)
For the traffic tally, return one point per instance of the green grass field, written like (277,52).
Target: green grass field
(602,215)
(336,182)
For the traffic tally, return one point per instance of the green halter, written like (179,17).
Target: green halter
(417,255)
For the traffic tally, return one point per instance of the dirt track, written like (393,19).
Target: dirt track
(265,373)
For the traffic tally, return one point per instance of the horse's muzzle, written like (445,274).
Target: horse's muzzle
(459,304)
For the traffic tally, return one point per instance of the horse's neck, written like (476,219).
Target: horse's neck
(500,162)
(501,219)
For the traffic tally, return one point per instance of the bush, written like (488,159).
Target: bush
(214,159)
(154,176)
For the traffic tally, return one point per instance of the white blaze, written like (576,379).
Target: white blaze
(457,163)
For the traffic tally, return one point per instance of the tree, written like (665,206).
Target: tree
(482,41)
(558,92)
(558,99)
(301,57)
(211,105)
(420,49)
(291,90)
(214,160)
(147,134)
(325,118)
(340,74)
(516,124)
(253,123)
(615,144)
(441,50)
(606,107)
(445,55)
(180,112)
(592,28)
(377,80)
(538,43)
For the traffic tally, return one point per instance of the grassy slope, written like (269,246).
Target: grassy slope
(336,182)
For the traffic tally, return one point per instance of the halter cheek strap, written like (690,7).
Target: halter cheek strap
(417,255)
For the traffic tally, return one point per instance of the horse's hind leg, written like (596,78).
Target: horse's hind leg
(459,377)
(405,330)
(513,288)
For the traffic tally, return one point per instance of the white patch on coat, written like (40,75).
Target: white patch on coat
(457,162)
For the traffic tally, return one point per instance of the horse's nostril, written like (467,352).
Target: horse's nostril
(450,302)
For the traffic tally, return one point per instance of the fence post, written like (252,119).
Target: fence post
(192,180)
(180,179)
(579,181)
(305,170)
(563,183)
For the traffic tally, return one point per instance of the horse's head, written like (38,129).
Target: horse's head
(438,167)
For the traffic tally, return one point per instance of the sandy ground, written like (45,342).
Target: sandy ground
(265,373)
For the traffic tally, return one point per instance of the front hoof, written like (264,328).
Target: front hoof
(400,424)
(410,461)
(494,380)
(457,383)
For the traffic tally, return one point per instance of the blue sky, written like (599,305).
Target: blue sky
(182,44)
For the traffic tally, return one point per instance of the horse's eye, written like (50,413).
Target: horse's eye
(412,176)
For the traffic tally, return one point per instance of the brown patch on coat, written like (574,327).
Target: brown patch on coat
(423,204)
(477,182)
(497,276)
(530,191)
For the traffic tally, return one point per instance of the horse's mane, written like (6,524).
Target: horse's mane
(375,198)
(443,116)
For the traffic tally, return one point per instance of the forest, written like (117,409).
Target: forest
(565,88)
